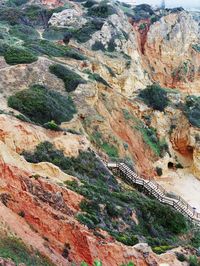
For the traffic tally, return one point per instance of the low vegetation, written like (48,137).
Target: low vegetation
(14,249)
(45,47)
(69,77)
(42,105)
(14,56)
(102,9)
(24,32)
(155,97)
(109,206)
(110,149)
(149,134)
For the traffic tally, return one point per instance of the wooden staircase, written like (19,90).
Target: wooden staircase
(154,189)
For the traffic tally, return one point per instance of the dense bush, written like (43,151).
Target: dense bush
(42,105)
(102,10)
(45,47)
(69,77)
(16,2)
(24,32)
(142,12)
(192,110)
(155,96)
(84,34)
(14,56)
(10,15)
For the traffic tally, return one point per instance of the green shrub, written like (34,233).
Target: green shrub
(155,96)
(11,15)
(159,171)
(54,34)
(142,26)
(181,257)
(52,126)
(42,105)
(84,34)
(196,47)
(192,110)
(129,240)
(44,47)
(97,77)
(89,3)
(16,2)
(161,249)
(98,46)
(69,77)
(23,118)
(14,56)
(102,10)
(128,264)
(24,32)
(193,261)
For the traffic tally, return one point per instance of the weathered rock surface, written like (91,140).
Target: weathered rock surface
(168,51)
(68,17)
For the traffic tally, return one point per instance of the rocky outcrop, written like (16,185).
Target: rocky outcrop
(168,51)
(68,17)
(20,136)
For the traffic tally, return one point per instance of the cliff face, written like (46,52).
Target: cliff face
(102,56)
(170,54)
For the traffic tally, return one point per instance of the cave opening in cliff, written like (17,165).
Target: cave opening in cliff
(170,165)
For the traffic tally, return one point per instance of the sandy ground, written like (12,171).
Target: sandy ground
(184,184)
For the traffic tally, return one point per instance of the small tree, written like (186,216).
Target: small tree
(155,96)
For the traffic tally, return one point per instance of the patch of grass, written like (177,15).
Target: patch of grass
(108,148)
(155,96)
(42,105)
(14,249)
(149,135)
(14,55)
(69,77)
